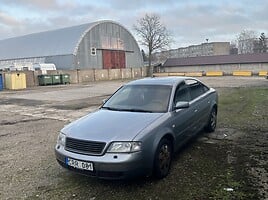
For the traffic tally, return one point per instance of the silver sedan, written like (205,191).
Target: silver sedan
(138,129)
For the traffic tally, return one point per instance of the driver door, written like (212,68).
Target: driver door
(182,118)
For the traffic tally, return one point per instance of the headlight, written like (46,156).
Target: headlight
(61,139)
(124,147)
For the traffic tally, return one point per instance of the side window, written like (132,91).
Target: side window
(197,90)
(182,94)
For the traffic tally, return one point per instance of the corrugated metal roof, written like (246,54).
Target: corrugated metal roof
(214,60)
(56,42)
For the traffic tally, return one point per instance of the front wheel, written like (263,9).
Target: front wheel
(211,126)
(163,157)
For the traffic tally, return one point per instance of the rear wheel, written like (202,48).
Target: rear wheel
(211,126)
(163,157)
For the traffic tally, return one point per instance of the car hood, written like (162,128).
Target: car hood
(107,125)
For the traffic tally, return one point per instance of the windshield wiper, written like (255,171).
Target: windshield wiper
(110,108)
(137,110)
(125,109)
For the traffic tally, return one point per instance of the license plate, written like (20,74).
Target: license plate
(79,164)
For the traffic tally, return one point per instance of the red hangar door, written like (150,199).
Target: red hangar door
(113,59)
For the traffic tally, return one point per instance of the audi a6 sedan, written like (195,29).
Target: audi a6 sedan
(138,129)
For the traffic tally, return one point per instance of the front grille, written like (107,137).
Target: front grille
(84,146)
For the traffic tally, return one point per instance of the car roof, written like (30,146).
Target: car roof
(160,81)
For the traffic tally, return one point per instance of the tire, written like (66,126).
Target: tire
(163,157)
(212,122)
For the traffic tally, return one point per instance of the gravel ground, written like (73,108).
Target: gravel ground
(235,156)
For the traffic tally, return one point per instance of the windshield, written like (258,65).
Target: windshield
(140,98)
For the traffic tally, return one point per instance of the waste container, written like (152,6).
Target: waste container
(1,82)
(45,79)
(65,78)
(56,79)
(15,81)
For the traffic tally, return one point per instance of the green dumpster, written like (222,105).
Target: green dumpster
(65,78)
(45,79)
(56,79)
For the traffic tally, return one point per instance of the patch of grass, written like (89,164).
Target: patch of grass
(244,108)
(231,188)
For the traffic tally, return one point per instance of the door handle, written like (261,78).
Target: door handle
(195,110)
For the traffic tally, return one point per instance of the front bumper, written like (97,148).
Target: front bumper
(107,166)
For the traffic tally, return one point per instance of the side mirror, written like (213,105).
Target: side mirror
(182,104)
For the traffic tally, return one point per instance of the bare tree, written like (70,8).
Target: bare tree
(153,34)
(245,41)
(263,43)
(144,57)
(233,48)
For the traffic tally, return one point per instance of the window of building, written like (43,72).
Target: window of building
(93,51)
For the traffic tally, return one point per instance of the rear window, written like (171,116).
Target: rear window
(196,88)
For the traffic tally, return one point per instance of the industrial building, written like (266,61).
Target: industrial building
(226,63)
(204,49)
(98,45)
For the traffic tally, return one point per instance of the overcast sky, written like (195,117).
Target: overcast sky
(189,21)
